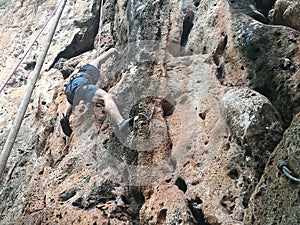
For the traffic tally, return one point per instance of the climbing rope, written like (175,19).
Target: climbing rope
(100,28)
(10,140)
(282,165)
(30,47)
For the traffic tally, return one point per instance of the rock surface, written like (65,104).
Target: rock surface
(286,13)
(216,85)
(276,187)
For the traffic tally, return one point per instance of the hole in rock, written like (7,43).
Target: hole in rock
(180,183)
(94,135)
(197,200)
(196,3)
(187,27)
(202,115)
(78,203)
(30,66)
(137,200)
(197,212)
(234,174)
(105,141)
(168,107)
(161,218)
(245,202)
(77,47)
(125,199)
(228,203)
(264,6)
(266,91)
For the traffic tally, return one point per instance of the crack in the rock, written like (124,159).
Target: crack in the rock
(188,24)
(217,57)
(249,8)
(83,41)
(194,206)
(180,183)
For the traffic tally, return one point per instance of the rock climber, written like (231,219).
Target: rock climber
(82,86)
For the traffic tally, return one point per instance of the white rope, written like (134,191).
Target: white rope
(10,140)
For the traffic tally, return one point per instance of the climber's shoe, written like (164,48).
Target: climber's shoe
(124,125)
(123,128)
(65,124)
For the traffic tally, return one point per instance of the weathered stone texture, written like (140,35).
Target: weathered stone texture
(286,13)
(254,123)
(216,84)
(276,198)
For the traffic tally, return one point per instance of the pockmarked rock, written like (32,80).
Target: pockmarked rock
(253,121)
(213,80)
(275,187)
(285,12)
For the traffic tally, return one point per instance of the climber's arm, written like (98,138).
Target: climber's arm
(103,57)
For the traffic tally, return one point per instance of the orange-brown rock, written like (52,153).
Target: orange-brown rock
(215,85)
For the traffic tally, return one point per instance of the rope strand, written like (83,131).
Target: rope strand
(10,140)
(282,165)
(30,47)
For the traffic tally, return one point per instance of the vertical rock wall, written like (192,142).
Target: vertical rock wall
(216,88)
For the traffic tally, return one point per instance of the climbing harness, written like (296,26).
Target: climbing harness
(30,46)
(282,165)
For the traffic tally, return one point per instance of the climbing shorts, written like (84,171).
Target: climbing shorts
(76,92)
(85,92)
(91,72)
(82,85)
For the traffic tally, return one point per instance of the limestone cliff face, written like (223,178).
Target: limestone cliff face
(216,84)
